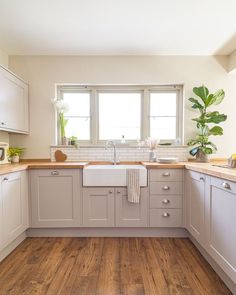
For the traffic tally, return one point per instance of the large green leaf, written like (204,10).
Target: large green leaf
(194,151)
(216,130)
(209,100)
(218,96)
(201,92)
(215,117)
(207,150)
(196,103)
(212,145)
(193,142)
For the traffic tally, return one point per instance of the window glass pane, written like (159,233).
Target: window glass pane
(79,127)
(163,127)
(78,103)
(163,104)
(119,114)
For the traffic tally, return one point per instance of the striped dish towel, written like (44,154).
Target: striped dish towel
(133,185)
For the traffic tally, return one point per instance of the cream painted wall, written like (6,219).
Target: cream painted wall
(4,62)
(232,61)
(42,72)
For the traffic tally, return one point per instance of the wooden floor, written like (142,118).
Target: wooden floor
(107,266)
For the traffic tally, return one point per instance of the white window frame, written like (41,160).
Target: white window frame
(145,107)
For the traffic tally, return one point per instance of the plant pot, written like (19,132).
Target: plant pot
(202,157)
(15,159)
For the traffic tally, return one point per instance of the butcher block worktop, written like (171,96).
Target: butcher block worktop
(206,168)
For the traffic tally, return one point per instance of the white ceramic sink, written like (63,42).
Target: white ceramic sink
(111,175)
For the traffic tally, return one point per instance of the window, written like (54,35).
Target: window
(163,113)
(100,113)
(119,115)
(78,114)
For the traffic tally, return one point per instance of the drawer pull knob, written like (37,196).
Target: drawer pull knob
(166,174)
(202,178)
(165,214)
(5,179)
(54,173)
(110,192)
(166,187)
(118,192)
(165,201)
(226,185)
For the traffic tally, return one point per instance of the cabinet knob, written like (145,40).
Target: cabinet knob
(226,185)
(202,178)
(165,174)
(165,201)
(110,192)
(5,179)
(118,192)
(54,173)
(166,187)
(166,214)
(3,123)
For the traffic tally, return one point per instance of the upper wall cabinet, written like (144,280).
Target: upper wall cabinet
(14,116)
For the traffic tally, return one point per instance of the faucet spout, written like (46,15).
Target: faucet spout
(113,145)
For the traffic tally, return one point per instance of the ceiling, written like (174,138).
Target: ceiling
(114,27)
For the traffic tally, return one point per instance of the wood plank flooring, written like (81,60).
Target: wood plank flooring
(108,266)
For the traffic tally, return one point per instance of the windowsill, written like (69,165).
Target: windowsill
(117,145)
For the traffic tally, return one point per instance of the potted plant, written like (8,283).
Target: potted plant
(206,123)
(73,140)
(14,154)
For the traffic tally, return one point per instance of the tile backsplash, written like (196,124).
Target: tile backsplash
(84,153)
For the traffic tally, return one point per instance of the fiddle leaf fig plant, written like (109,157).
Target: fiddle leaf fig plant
(207,122)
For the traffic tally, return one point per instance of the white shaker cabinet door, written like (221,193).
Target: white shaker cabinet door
(131,214)
(98,207)
(195,198)
(221,224)
(55,197)
(14,204)
(14,116)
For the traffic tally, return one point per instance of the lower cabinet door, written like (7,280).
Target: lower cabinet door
(221,224)
(195,199)
(55,197)
(98,207)
(14,206)
(131,214)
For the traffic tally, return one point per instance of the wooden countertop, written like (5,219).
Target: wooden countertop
(206,168)
(8,168)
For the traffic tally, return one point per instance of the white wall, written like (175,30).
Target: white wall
(4,62)
(42,72)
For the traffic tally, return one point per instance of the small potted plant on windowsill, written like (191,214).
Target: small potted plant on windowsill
(14,154)
(202,146)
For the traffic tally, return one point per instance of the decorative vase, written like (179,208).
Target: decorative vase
(15,159)
(201,157)
(64,140)
(152,156)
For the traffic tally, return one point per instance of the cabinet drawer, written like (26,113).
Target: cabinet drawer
(224,184)
(166,175)
(171,201)
(166,217)
(166,188)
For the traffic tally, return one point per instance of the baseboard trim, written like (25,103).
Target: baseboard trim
(107,232)
(225,278)
(9,248)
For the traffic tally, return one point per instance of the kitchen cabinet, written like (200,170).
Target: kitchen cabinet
(166,197)
(221,224)
(55,197)
(14,115)
(14,215)
(98,207)
(131,214)
(195,202)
